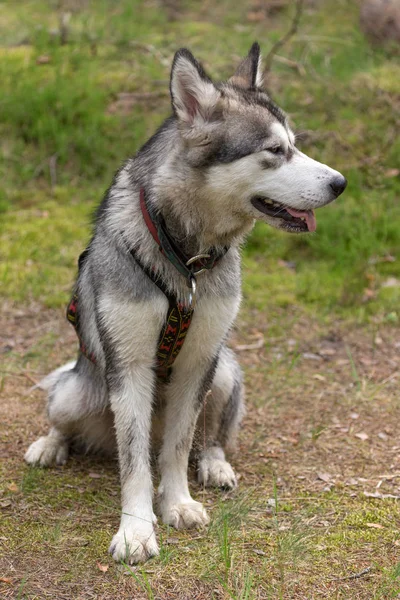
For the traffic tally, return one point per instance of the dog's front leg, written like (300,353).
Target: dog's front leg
(131,402)
(184,397)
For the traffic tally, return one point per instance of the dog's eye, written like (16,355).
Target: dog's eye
(276,150)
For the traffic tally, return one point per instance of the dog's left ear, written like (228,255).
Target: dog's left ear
(193,94)
(248,75)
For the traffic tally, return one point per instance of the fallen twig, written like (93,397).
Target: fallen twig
(141,95)
(29,378)
(380,496)
(256,346)
(290,63)
(354,576)
(53,170)
(165,61)
(282,41)
(64,26)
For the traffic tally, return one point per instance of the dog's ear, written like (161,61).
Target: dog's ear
(193,94)
(248,75)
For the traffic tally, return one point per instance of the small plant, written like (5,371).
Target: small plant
(141,579)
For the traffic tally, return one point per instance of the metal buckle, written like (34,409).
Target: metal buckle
(192,293)
(198,257)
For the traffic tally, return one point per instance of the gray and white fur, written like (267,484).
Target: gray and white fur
(223,159)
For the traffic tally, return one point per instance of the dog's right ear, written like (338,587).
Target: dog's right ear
(248,75)
(194,96)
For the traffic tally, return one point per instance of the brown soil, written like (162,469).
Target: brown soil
(323,408)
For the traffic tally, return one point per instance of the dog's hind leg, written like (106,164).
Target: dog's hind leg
(73,396)
(51,449)
(218,424)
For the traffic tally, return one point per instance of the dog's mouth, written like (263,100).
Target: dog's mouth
(295,220)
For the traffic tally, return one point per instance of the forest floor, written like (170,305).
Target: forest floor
(316,513)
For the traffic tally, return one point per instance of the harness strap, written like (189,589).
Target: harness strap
(179,316)
(175,328)
(73,318)
(187,266)
(173,332)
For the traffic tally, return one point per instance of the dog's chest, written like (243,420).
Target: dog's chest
(211,322)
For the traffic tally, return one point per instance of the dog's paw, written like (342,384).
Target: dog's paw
(133,547)
(47,451)
(187,515)
(214,472)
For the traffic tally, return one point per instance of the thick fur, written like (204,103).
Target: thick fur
(224,144)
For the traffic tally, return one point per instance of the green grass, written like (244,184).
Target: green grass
(256,542)
(60,143)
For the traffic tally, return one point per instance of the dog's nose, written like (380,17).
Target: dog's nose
(338,185)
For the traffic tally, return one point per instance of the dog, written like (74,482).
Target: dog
(158,290)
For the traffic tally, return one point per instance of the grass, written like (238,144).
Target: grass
(61,141)
(64,130)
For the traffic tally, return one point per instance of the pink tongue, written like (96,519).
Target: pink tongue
(308,215)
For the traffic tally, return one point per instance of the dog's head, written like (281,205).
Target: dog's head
(242,144)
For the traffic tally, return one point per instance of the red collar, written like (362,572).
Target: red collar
(189,267)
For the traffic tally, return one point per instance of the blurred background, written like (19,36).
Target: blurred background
(84,84)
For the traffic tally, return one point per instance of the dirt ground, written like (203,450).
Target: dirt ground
(316,514)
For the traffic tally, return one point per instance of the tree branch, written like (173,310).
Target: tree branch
(282,41)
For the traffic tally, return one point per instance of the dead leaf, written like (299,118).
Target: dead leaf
(259,552)
(6,580)
(44,59)
(327,351)
(377,259)
(5,503)
(127,100)
(368,294)
(324,477)
(94,475)
(324,523)
(289,264)
(291,439)
(102,568)
(392,172)
(319,377)
(391,282)
(383,436)
(362,436)
(255,16)
(256,346)
(311,356)
(375,525)
(367,361)
(380,496)
(342,361)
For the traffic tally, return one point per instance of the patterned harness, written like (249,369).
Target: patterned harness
(179,316)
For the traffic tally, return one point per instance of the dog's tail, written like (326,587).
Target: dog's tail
(47,382)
